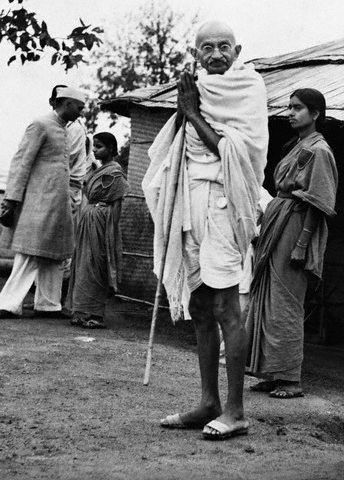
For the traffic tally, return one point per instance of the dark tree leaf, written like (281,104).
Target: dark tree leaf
(54,58)
(89,41)
(21,19)
(26,34)
(53,43)
(77,31)
(35,26)
(11,60)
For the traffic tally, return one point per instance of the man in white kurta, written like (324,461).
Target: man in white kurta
(38,191)
(213,214)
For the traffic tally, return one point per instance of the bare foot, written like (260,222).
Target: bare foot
(200,416)
(287,390)
(218,430)
(194,419)
(265,386)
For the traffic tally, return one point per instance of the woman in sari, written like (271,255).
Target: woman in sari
(290,247)
(96,264)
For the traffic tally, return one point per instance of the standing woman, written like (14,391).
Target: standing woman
(96,263)
(290,247)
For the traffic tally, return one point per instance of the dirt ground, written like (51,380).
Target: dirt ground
(73,406)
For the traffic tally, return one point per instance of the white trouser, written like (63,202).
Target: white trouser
(47,274)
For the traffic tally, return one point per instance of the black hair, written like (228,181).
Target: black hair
(314,101)
(54,92)
(108,140)
(58,101)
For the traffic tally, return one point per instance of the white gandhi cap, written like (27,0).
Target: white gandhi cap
(69,92)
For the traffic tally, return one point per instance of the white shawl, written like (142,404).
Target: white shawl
(234,105)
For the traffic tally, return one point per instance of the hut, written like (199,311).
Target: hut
(320,67)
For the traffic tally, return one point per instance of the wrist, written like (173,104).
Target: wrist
(193,116)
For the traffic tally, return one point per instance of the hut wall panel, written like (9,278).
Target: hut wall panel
(145,125)
(137,227)
(138,280)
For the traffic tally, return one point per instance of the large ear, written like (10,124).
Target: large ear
(194,52)
(237,49)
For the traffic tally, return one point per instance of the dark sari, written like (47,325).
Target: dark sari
(306,176)
(96,263)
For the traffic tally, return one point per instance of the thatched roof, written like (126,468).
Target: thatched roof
(321,67)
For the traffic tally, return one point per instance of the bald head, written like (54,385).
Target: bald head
(216,47)
(212,29)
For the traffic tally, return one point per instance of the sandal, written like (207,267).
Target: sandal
(78,319)
(93,322)
(286,393)
(175,421)
(217,430)
(76,322)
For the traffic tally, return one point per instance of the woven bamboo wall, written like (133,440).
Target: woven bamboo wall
(138,280)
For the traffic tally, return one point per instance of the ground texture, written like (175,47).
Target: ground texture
(73,406)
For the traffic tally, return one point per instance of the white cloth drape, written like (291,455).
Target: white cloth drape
(234,105)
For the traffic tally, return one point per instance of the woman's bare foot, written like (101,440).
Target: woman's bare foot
(265,386)
(287,389)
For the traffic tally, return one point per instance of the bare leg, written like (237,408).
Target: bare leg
(208,345)
(227,312)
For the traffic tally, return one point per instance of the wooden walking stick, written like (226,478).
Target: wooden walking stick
(162,264)
(164,254)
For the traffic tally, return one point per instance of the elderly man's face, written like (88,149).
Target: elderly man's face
(216,50)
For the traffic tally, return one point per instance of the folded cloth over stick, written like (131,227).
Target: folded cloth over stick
(234,105)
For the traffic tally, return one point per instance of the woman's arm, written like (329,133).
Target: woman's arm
(298,255)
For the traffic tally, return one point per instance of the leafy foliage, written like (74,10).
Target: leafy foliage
(30,38)
(149,48)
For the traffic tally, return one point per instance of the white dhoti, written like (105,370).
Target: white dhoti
(27,269)
(211,253)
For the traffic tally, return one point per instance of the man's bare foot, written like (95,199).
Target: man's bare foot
(225,426)
(216,430)
(194,419)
